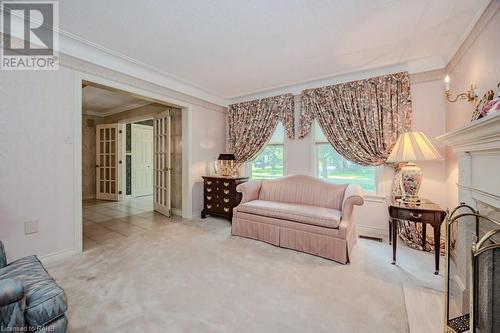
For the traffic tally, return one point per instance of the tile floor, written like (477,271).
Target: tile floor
(108,220)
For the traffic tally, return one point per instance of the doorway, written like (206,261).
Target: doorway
(128,148)
(141,159)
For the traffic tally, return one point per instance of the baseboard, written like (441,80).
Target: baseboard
(177,211)
(372,231)
(58,256)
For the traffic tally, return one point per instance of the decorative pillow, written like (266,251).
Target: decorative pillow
(491,107)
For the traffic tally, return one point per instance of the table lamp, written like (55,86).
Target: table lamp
(412,147)
(226,165)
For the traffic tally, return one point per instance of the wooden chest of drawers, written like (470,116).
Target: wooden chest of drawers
(220,196)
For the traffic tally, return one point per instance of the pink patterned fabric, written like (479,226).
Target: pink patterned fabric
(321,216)
(252,124)
(275,222)
(361,119)
(303,190)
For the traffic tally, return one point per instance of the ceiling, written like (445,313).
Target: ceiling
(233,48)
(102,102)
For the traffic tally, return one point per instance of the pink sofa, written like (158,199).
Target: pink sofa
(302,213)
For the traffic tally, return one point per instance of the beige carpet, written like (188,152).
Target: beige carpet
(193,276)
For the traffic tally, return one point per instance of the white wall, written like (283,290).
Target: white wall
(477,62)
(428,117)
(36,165)
(37,160)
(208,141)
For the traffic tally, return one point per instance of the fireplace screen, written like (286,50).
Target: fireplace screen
(486,283)
(473,272)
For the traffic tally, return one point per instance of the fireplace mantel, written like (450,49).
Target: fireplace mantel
(477,146)
(479,135)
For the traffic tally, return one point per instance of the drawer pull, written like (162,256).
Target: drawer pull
(416,215)
(209,182)
(226,200)
(226,191)
(209,206)
(209,189)
(226,184)
(209,197)
(226,209)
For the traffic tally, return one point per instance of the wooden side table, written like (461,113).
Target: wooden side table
(220,196)
(426,212)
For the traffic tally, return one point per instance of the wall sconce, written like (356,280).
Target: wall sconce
(470,96)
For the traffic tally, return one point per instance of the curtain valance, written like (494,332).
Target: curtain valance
(361,119)
(251,124)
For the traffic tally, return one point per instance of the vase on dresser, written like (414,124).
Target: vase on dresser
(220,195)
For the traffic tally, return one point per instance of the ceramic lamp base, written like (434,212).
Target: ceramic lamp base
(411,179)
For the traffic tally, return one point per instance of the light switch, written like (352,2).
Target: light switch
(30,227)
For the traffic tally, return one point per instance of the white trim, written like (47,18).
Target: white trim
(92,113)
(57,257)
(478,135)
(296,88)
(81,48)
(77,167)
(471,32)
(372,231)
(77,148)
(118,109)
(187,181)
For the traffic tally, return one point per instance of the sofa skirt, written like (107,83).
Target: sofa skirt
(319,241)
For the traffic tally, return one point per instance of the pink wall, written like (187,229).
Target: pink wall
(477,61)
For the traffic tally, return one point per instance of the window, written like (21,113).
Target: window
(331,166)
(269,163)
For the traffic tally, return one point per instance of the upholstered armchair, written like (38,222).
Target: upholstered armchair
(30,299)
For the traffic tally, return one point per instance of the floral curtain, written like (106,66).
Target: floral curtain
(361,119)
(251,124)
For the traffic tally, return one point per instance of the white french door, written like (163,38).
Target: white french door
(108,162)
(162,167)
(142,160)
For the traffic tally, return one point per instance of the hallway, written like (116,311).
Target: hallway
(109,220)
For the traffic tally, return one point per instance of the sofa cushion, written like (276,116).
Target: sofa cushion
(305,190)
(45,300)
(320,216)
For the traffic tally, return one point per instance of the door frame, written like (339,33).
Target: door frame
(187,111)
(132,125)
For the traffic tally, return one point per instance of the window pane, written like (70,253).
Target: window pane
(269,163)
(318,133)
(279,135)
(333,167)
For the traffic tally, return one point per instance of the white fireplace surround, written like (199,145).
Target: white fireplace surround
(477,147)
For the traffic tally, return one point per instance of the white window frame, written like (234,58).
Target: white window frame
(248,165)
(314,163)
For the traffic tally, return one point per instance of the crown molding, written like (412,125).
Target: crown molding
(481,20)
(78,47)
(92,113)
(428,76)
(118,109)
(426,65)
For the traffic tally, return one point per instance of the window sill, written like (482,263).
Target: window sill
(373,197)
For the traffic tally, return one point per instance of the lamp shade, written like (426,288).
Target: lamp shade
(411,147)
(226,157)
